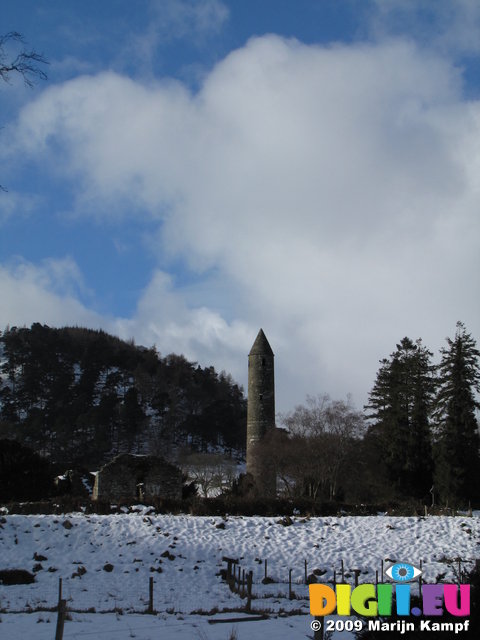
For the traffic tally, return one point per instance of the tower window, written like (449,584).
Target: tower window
(263,362)
(261,396)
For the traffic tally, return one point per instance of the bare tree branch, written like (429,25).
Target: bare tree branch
(26,63)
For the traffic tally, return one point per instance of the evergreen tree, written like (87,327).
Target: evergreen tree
(457,474)
(400,405)
(24,475)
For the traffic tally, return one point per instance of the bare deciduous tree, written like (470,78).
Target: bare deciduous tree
(211,472)
(321,434)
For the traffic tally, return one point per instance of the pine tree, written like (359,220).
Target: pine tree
(457,474)
(400,406)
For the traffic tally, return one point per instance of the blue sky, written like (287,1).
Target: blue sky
(193,170)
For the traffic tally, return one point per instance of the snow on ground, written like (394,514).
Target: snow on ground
(115,627)
(105,563)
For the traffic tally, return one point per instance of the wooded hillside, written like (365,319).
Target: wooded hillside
(81,396)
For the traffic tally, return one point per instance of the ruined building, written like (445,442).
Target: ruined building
(260,414)
(130,477)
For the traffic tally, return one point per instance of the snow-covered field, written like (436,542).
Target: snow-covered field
(105,563)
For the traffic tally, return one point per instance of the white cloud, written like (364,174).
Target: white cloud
(449,27)
(45,293)
(174,19)
(191,21)
(13,203)
(329,195)
(199,333)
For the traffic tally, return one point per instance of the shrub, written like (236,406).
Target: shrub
(16,576)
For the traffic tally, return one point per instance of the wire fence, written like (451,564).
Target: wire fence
(258,585)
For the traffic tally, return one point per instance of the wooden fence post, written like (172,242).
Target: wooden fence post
(62,612)
(306,576)
(150,595)
(420,580)
(265,568)
(249,590)
(231,572)
(290,592)
(318,633)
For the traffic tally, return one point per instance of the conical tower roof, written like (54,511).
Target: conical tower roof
(261,346)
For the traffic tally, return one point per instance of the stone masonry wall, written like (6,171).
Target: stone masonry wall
(120,479)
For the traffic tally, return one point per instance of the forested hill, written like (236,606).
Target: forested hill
(82,396)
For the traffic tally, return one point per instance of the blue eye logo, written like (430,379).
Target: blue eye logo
(403,572)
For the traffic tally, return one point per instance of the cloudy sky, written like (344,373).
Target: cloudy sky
(193,170)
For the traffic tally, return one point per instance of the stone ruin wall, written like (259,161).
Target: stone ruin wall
(119,479)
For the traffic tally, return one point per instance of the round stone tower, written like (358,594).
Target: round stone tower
(260,413)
